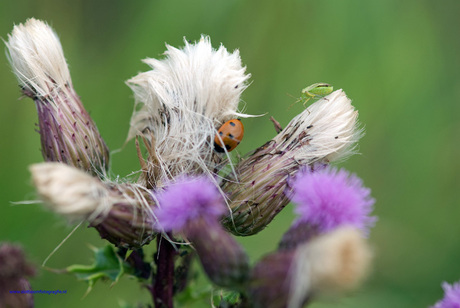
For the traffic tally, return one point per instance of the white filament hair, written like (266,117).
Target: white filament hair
(37,59)
(70,192)
(183,99)
(329,127)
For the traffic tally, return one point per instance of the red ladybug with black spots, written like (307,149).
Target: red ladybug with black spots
(230,133)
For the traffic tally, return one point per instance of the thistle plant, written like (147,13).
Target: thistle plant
(183,198)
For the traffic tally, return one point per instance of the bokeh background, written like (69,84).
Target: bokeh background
(397,60)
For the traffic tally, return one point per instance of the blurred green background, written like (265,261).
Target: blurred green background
(397,60)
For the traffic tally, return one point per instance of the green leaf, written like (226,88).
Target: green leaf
(107,265)
(227,299)
(193,293)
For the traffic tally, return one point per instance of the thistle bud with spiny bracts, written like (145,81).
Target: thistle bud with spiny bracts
(192,207)
(67,132)
(130,221)
(324,132)
(122,213)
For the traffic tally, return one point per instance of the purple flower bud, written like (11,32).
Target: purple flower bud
(193,206)
(270,282)
(297,234)
(14,270)
(223,259)
(451,296)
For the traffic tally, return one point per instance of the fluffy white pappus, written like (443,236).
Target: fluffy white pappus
(331,263)
(326,130)
(37,59)
(70,192)
(183,100)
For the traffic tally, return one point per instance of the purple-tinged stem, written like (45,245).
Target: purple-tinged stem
(163,280)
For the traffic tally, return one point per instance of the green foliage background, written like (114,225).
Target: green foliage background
(397,60)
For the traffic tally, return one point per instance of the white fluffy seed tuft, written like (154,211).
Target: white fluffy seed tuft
(37,59)
(181,102)
(327,130)
(70,192)
(333,262)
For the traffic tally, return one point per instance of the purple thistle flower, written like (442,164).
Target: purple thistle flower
(187,199)
(193,206)
(330,198)
(451,296)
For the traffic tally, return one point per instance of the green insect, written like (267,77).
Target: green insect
(316,90)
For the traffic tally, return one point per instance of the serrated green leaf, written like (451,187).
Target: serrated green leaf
(107,265)
(231,297)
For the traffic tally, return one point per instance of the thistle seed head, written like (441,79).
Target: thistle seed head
(37,59)
(326,131)
(122,213)
(333,262)
(69,191)
(179,104)
(67,132)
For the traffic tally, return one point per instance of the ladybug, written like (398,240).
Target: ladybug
(230,133)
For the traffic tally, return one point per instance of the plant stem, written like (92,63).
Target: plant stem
(163,281)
